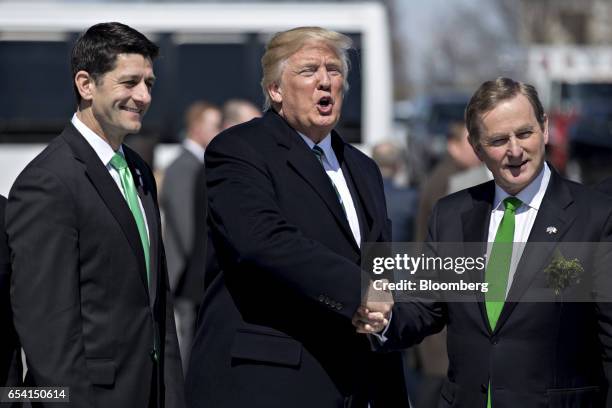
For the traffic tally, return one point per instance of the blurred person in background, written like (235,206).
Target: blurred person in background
(182,217)
(237,111)
(10,352)
(290,205)
(89,290)
(401,201)
(459,157)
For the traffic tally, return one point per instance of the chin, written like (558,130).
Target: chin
(134,128)
(328,122)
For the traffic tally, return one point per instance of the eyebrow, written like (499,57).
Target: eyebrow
(137,77)
(520,129)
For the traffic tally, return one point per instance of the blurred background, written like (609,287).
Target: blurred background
(414,67)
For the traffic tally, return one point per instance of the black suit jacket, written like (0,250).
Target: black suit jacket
(10,352)
(274,327)
(605,186)
(545,354)
(84,313)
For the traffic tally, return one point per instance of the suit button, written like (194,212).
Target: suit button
(154,355)
(339,306)
(321,298)
(494,340)
(483,388)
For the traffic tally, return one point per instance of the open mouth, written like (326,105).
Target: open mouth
(517,166)
(325,104)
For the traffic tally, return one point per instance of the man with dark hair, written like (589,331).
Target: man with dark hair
(520,344)
(10,354)
(90,290)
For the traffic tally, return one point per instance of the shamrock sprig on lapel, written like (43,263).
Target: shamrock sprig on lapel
(562,272)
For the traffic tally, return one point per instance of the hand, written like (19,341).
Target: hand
(373,316)
(368,322)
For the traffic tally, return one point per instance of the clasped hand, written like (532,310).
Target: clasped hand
(373,315)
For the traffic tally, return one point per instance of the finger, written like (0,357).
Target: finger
(375,316)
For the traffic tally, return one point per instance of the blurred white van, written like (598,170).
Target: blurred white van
(208,51)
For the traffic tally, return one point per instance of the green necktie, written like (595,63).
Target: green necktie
(316,149)
(129,190)
(496,274)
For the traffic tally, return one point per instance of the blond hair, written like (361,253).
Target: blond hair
(286,43)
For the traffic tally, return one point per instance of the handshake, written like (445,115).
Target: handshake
(374,313)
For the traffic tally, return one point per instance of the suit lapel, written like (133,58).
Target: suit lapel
(148,203)
(107,189)
(304,162)
(556,210)
(475,225)
(355,172)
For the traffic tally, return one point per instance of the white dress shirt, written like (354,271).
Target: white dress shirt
(334,172)
(531,198)
(105,152)
(195,149)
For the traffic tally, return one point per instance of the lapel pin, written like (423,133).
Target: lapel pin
(551,230)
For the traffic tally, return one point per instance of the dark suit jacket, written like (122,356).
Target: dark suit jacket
(178,202)
(605,186)
(84,313)
(202,267)
(546,354)
(10,352)
(274,328)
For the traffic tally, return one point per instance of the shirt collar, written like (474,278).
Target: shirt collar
(195,149)
(104,151)
(532,195)
(325,145)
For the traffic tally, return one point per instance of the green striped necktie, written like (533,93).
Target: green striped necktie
(129,190)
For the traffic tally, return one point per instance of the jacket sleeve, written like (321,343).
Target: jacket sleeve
(243,211)
(174,382)
(43,237)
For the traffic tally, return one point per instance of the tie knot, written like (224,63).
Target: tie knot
(316,149)
(118,162)
(512,203)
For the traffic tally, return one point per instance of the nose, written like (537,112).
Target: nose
(324,79)
(514,147)
(142,94)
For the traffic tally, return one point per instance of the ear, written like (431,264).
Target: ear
(545,130)
(85,84)
(476,147)
(275,92)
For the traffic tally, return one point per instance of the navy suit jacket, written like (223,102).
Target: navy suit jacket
(85,314)
(274,327)
(544,354)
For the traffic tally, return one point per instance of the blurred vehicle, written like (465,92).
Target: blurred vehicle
(427,119)
(575,83)
(208,51)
